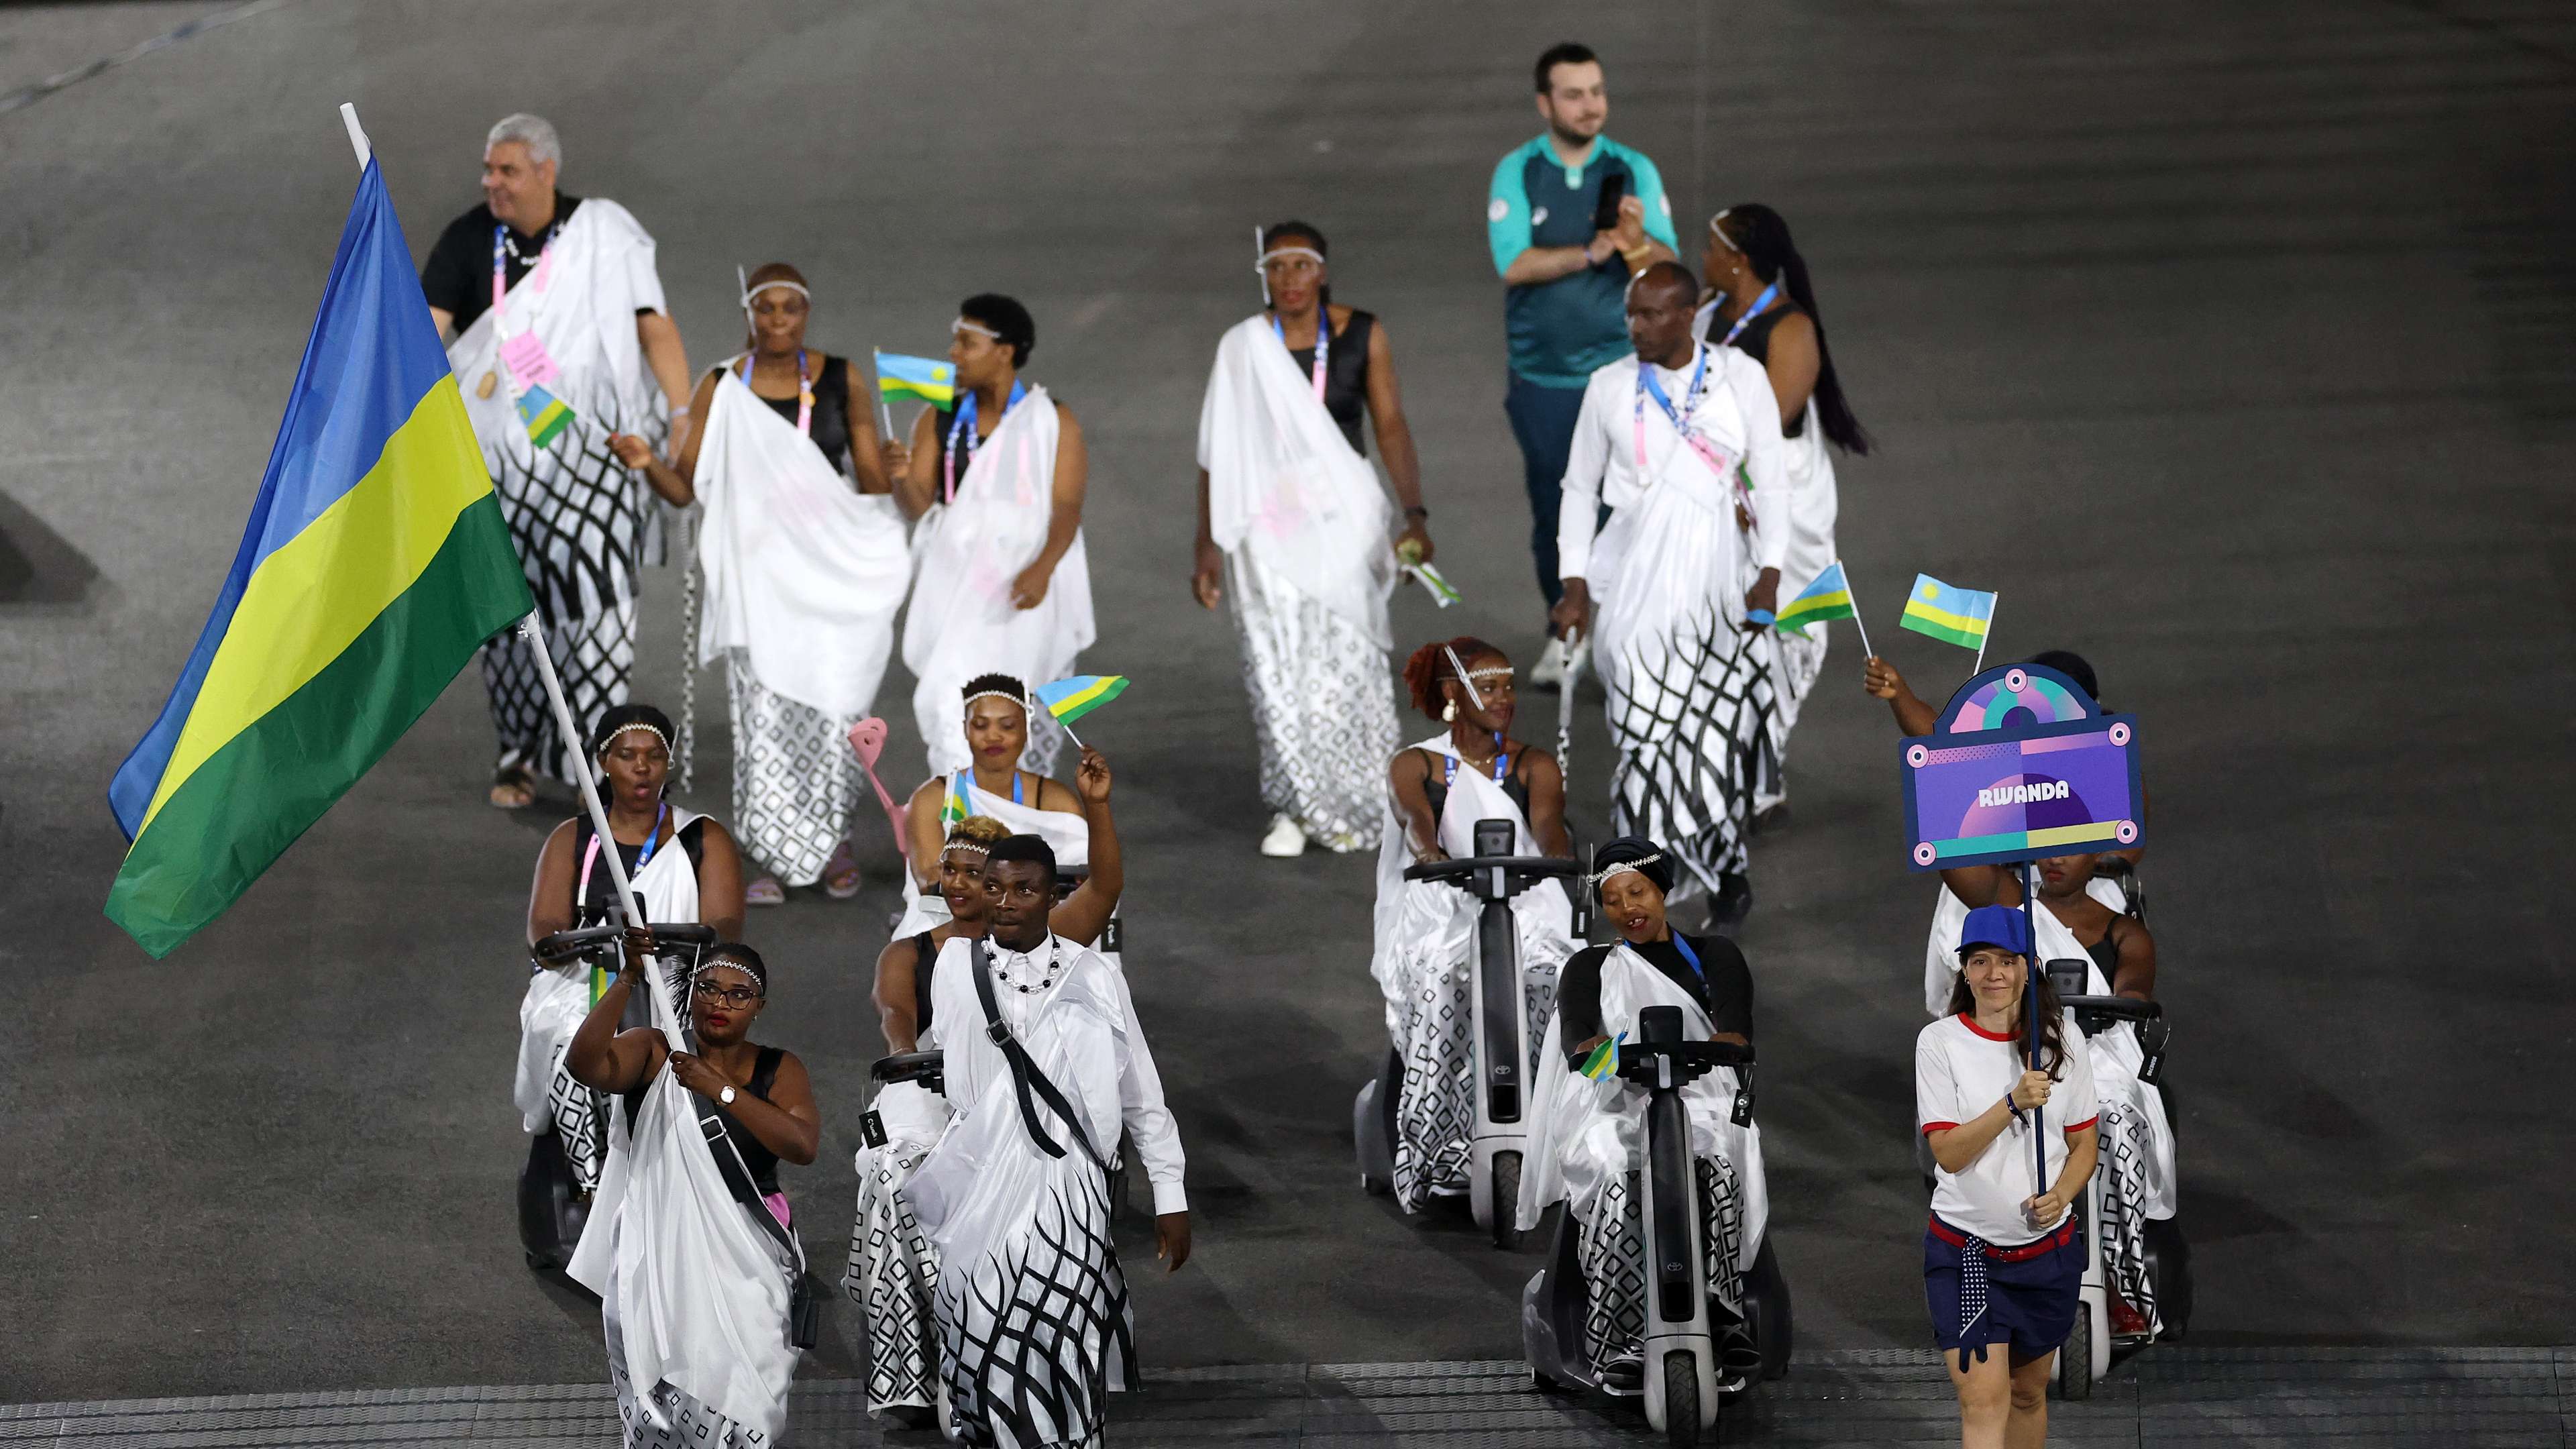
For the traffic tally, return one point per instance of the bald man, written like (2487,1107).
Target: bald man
(1682,443)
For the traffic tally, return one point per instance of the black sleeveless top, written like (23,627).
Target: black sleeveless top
(1755,342)
(1435,787)
(1345,375)
(762,1162)
(599,893)
(925,954)
(831,412)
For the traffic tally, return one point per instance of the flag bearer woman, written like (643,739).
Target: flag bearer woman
(2002,1263)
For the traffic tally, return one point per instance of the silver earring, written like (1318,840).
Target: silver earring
(1449,712)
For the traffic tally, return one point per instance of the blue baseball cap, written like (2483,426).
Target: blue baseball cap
(2003,926)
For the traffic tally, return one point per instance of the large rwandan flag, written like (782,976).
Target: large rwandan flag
(375,564)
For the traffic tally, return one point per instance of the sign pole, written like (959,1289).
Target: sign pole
(2030,1022)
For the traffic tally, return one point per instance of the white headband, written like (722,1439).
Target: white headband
(1474,695)
(1264,263)
(1496,671)
(1622,867)
(1718,232)
(1019,699)
(962,325)
(630,729)
(953,846)
(797,287)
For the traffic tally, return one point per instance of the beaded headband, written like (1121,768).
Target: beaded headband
(962,325)
(1491,671)
(743,967)
(1458,667)
(630,729)
(795,287)
(1019,699)
(1621,867)
(969,846)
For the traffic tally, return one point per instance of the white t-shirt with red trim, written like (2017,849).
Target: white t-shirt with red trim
(1960,1070)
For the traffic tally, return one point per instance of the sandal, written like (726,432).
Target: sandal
(764,891)
(841,873)
(512,788)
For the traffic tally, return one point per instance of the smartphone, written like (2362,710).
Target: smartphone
(1605,212)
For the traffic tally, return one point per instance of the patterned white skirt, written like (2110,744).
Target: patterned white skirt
(1610,1245)
(1691,714)
(1435,1109)
(893,1277)
(795,780)
(1323,707)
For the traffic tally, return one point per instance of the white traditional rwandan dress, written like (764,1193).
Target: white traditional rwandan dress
(803,578)
(1034,1322)
(2137,1138)
(1689,692)
(693,1293)
(1814,503)
(558,999)
(575,512)
(1422,963)
(1587,1138)
(1303,524)
(967,552)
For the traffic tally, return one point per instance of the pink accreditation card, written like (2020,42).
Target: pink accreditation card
(529,361)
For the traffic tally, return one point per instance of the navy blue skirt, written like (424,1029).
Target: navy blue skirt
(2026,1298)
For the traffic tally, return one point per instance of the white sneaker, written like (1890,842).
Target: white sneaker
(1286,838)
(1549,671)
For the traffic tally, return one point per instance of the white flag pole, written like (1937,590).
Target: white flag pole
(885,415)
(1856,620)
(1989,634)
(664,1015)
(357,134)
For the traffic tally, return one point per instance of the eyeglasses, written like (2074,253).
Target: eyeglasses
(729,995)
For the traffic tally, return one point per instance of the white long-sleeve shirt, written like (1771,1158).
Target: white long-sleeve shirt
(1737,413)
(974,1065)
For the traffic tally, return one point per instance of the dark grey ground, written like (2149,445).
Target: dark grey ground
(2229,342)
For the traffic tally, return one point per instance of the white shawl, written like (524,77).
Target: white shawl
(803,572)
(1582,1131)
(1285,483)
(1069,836)
(1431,922)
(558,997)
(581,299)
(968,553)
(701,1294)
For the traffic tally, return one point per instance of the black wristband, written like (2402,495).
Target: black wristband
(1417,511)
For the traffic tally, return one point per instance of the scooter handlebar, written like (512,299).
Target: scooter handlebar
(2123,1008)
(562,946)
(1536,867)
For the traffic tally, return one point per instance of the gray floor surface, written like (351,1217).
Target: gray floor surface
(2229,342)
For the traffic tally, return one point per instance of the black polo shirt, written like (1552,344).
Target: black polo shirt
(1723,987)
(457,278)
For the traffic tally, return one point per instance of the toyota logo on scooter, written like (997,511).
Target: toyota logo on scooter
(1503,1073)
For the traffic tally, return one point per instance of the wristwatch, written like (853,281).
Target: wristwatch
(726,1096)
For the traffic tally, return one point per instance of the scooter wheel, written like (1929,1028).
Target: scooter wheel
(1507,1201)
(1681,1401)
(2075,1358)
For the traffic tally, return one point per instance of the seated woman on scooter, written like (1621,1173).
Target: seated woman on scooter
(996,726)
(684,868)
(2003,1264)
(1586,1131)
(689,1247)
(893,1271)
(1436,792)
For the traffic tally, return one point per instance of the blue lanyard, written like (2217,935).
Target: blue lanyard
(653,837)
(1449,765)
(1769,294)
(965,780)
(1648,387)
(1682,944)
(1323,344)
(966,410)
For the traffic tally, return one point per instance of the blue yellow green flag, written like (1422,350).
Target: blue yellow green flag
(1953,615)
(900,376)
(1827,597)
(545,415)
(1603,1064)
(1070,699)
(375,564)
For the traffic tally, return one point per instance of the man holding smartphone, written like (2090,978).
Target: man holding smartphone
(1572,216)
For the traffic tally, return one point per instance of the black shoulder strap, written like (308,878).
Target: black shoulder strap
(735,1171)
(764,1070)
(1025,1076)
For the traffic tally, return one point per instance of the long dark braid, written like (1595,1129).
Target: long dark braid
(1763,237)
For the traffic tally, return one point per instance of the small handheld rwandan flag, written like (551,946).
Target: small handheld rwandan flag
(1443,593)
(900,376)
(1070,699)
(1951,615)
(375,564)
(1603,1064)
(954,808)
(545,415)
(1828,597)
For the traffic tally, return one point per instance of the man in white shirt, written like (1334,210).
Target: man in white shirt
(1682,443)
(1045,1061)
